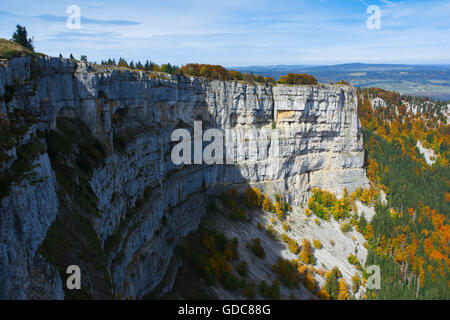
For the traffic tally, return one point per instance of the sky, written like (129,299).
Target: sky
(238,32)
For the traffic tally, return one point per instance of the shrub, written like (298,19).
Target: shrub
(292,244)
(346,227)
(278,211)
(238,214)
(306,254)
(168,68)
(242,269)
(331,282)
(286,207)
(343,291)
(309,282)
(267,204)
(362,223)
(122,63)
(253,198)
(270,292)
(229,281)
(249,290)
(323,295)
(236,75)
(215,265)
(256,248)
(343,82)
(229,198)
(352,259)
(318,209)
(272,232)
(356,282)
(287,272)
(249,77)
(209,242)
(295,78)
(323,203)
(341,209)
(307,212)
(278,198)
(301,268)
(317,244)
(208,71)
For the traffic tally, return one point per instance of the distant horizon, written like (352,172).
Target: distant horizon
(344,63)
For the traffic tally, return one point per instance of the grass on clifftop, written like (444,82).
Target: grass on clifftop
(10,49)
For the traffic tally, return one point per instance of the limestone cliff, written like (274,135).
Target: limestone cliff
(102,191)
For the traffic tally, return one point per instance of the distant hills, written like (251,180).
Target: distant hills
(422,80)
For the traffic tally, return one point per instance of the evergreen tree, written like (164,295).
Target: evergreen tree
(21,37)
(122,63)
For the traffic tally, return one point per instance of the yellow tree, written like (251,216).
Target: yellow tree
(279,211)
(306,255)
(343,291)
(266,204)
(309,282)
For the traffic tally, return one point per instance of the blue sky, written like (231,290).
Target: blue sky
(238,33)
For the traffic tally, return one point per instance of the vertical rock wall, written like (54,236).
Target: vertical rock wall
(144,204)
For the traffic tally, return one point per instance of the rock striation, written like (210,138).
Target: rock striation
(284,139)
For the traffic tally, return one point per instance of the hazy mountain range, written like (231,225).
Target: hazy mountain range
(425,80)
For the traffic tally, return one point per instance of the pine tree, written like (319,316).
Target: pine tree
(21,37)
(331,282)
(122,63)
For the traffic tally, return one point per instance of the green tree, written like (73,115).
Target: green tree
(21,37)
(122,63)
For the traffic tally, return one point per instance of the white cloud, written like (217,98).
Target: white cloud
(240,32)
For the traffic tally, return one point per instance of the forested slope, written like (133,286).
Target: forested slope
(410,239)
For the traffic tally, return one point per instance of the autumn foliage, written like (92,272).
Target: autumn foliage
(306,253)
(295,78)
(409,237)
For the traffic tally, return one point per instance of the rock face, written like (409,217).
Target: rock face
(283,139)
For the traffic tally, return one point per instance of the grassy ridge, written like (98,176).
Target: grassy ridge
(10,49)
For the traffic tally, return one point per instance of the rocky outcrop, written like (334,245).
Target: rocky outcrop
(283,139)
